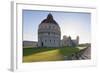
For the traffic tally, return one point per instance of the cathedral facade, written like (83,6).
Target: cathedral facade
(49,34)
(68,41)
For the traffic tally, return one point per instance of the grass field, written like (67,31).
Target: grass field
(47,54)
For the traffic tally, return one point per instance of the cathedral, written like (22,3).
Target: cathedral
(49,34)
(67,41)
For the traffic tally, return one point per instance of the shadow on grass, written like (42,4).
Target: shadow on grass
(68,50)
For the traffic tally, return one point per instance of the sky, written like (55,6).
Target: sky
(71,24)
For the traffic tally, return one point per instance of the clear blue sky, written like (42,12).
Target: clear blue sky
(71,23)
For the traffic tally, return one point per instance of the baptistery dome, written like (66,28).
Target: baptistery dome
(49,33)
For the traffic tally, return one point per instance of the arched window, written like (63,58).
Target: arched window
(53,27)
(54,41)
(48,33)
(50,41)
(49,27)
(45,41)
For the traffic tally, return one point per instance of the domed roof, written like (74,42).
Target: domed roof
(49,25)
(49,19)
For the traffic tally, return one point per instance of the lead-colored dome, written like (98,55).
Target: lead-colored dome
(49,19)
(49,25)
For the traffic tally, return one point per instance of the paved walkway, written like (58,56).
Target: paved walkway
(85,53)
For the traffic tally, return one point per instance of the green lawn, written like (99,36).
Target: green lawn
(47,54)
(68,50)
(29,51)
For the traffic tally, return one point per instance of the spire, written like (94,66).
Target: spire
(64,37)
(49,17)
(69,37)
(77,37)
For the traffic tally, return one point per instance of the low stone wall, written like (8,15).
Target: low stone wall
(81,55)
(27,44)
